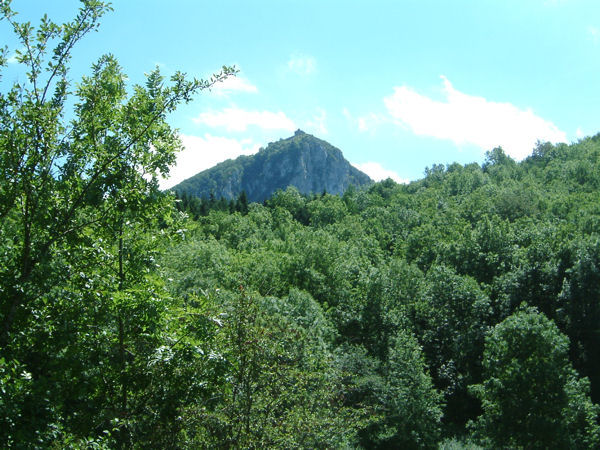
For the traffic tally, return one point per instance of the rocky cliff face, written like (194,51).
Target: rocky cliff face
(303,161)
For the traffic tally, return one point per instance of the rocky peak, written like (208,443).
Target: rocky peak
(304,161)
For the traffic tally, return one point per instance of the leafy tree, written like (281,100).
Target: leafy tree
(61,179)
(79,197)
(407,408)
(292,201)
(415,406)
(278,387)
(499,165)
(464,180)
(580,308)
(451,318)
(485,251)
(326,210)
(532,397)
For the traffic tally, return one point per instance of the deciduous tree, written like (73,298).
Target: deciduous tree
(79,170)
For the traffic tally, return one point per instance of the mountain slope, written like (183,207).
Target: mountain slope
(310,164)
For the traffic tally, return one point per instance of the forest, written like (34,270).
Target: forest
(458,311)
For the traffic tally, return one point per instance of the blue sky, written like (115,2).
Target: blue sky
(396,85)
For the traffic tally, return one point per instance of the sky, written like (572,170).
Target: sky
(398,86)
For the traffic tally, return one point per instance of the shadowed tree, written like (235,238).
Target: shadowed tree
(532,397)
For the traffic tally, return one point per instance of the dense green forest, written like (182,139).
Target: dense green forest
(463,306)
(458,311)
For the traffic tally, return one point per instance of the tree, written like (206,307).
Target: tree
(78,198)
(451,318)
(241,203)
(499,165)
(581,310)
(407,409)
(532,397)
(293,201)
(278,387)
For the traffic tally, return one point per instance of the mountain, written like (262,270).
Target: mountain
(310,164)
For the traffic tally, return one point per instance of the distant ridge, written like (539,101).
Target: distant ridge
(304,161)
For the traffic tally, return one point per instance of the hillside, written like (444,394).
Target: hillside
(303,161)
(469,296)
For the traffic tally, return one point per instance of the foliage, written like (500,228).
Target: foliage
(81,216)
(531,395)
(132,318)
(445,259)
(412,407)
(278,386)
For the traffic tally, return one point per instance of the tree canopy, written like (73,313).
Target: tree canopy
(79,209)
(456,311)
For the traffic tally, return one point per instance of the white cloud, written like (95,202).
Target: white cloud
(579,133)
(369,122)
(317,123)
(236,119)
(234,84)
(467,119)
(203,152)
(366,123)
(302,64)
(377,172)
